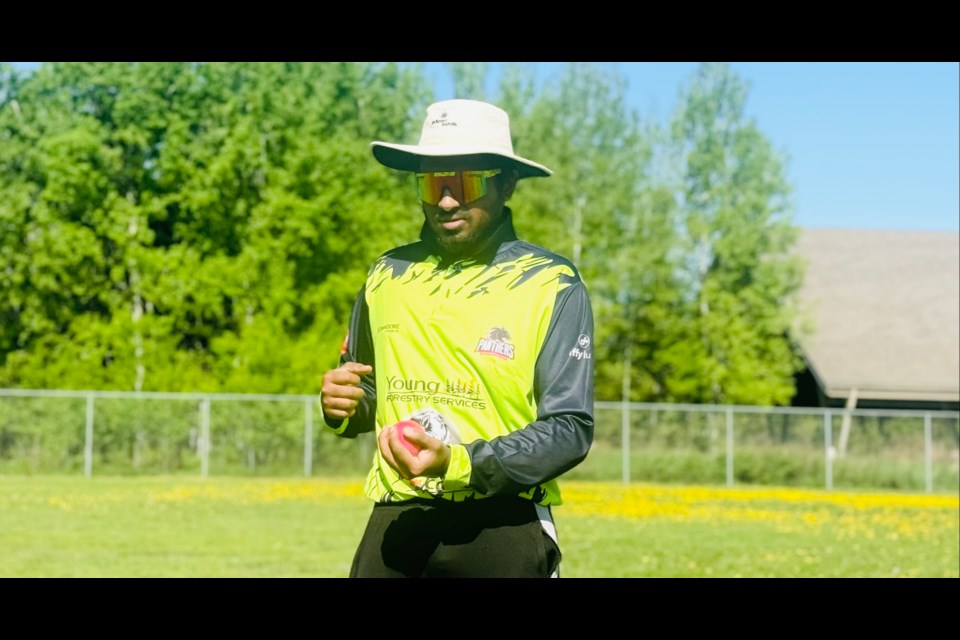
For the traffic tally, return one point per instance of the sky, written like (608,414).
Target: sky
(868,145)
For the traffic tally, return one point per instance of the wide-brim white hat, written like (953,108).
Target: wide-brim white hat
(455,128)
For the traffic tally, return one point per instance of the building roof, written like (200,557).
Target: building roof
(885,312)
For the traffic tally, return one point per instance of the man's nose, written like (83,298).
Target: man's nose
(447,201)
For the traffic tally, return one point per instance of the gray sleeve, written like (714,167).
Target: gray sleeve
(562,434)
(359,348)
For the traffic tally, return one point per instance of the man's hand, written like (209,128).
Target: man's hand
(341,392)
(430,462)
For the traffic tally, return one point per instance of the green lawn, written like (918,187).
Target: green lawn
(177,526)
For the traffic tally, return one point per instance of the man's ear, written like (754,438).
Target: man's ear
(508,183)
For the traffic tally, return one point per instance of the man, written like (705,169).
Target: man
(469,352)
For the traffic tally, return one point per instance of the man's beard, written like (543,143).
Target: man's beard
(460,245)
(464,245)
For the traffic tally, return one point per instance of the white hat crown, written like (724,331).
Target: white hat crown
(459,128)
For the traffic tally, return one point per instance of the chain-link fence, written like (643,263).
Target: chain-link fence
(103,432)
(725,444)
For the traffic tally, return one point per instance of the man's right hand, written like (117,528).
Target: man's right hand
(341,391)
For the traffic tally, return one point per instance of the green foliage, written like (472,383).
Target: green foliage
(731,340)
(174,226)
(469,79)
(206,226)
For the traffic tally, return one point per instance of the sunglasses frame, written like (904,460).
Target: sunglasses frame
(482,174)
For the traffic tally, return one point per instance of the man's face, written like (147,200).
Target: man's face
(462,227)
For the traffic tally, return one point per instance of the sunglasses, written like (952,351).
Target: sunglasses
(464,186)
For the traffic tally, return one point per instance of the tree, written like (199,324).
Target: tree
(469,79)
(730,343)
(160,220)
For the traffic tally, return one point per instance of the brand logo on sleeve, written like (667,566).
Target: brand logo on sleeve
(582,350)
(496,343)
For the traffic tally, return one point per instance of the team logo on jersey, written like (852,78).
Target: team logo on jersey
(497,343)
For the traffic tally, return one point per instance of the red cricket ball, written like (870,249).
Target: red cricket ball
(402,427)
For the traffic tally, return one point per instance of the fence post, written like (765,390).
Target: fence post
(204,444)
(928,451)
(828,448)
(88,439)
(308,437)
(729,447)
(625,440)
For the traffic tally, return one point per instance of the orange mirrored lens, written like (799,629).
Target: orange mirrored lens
(464,186)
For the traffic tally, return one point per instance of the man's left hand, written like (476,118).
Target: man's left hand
(430,462)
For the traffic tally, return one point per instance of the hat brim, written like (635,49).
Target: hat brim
(409,157)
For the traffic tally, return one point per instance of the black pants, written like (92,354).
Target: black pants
(492,537)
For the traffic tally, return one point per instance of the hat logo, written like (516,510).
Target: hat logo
(442,121)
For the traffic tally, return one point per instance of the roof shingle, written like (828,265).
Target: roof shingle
(885,308)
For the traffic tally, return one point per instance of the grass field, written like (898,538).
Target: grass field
(176,526)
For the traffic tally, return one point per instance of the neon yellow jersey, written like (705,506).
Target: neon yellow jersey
(492,354)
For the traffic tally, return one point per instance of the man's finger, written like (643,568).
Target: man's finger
(340,402)
(357,368)
(337,414)
(348,391)
(384,444)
